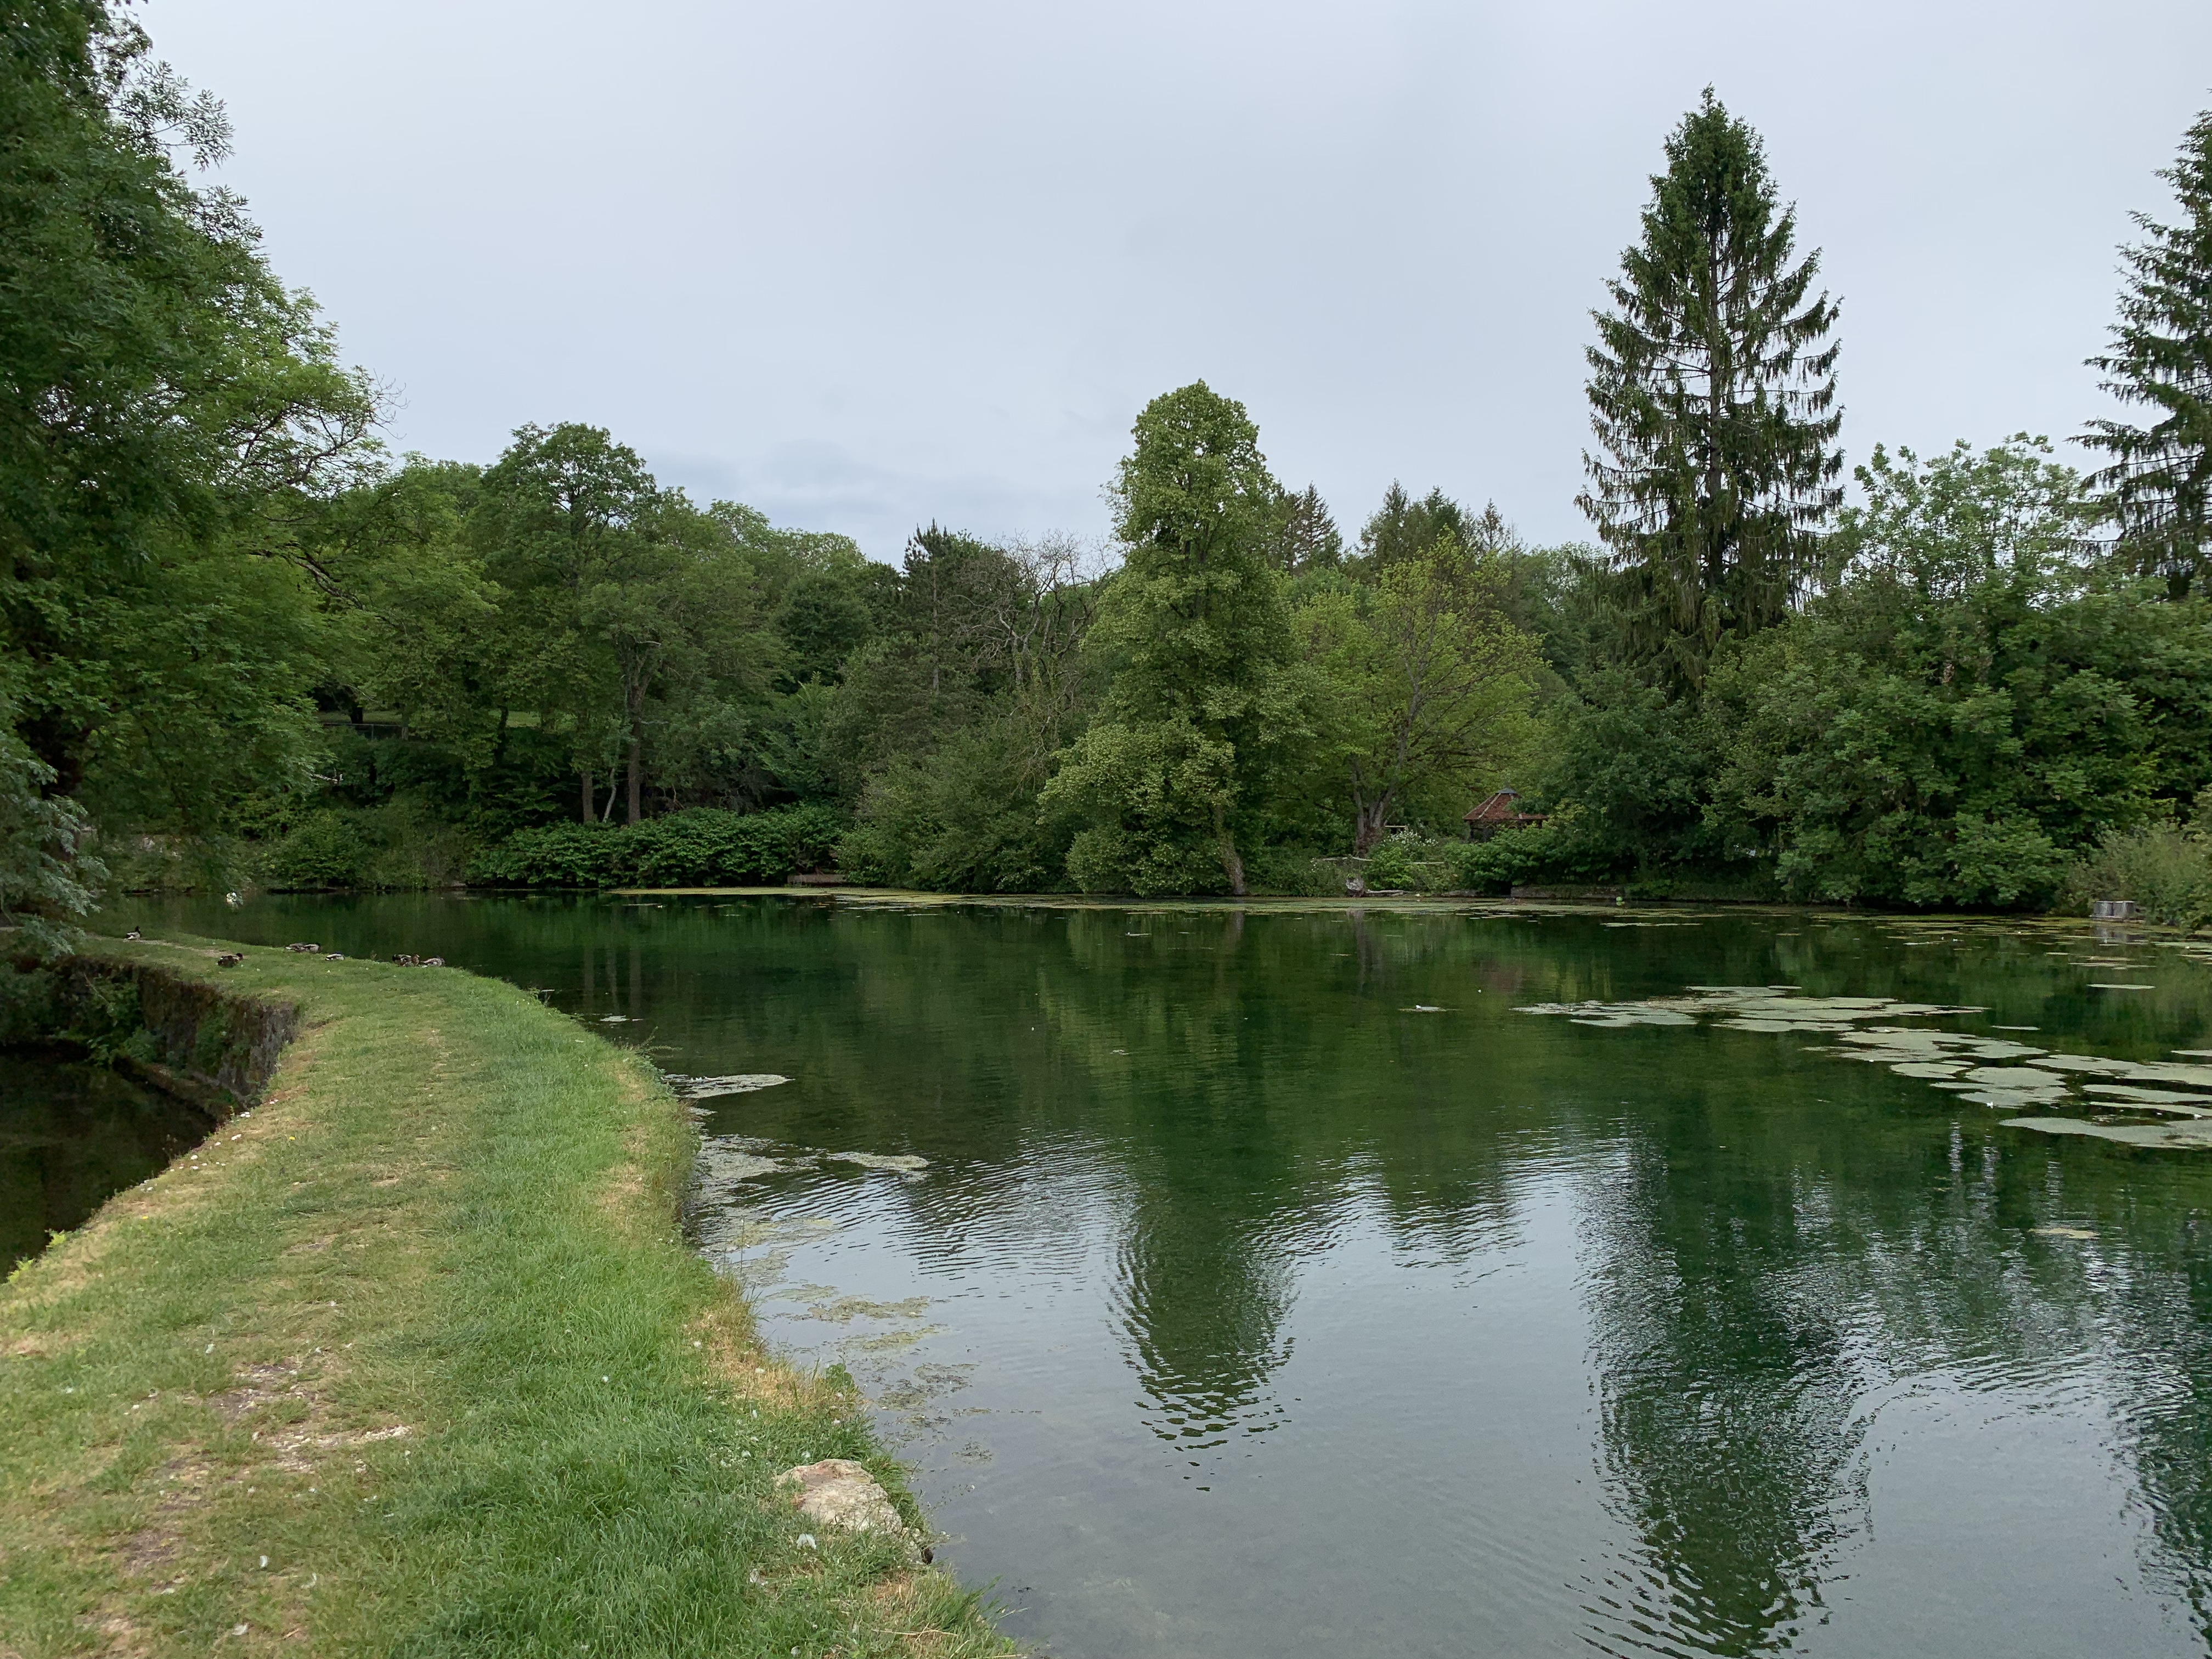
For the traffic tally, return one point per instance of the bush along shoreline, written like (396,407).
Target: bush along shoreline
(702,846)
(410,1356)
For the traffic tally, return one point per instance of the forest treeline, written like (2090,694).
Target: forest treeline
(240,643)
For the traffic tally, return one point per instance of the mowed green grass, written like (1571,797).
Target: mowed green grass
(413,1360)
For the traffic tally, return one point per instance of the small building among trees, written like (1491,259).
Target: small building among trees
(1500,812)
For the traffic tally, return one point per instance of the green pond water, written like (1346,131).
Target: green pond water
(72,1134)
(1273,1282)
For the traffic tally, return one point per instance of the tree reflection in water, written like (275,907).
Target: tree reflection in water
(1211,1153)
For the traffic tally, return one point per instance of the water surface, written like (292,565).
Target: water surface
(72,1134)
(1272,1285)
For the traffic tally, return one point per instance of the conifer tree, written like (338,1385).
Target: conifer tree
(1403,528)
(1712,393)
(1205,694)
(1306,537)
(2159,486)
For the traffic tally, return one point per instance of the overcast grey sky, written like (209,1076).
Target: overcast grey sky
(864,262)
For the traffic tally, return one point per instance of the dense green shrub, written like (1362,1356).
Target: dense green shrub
(704,846)
(964,819)
(1289,873)
(400,845)
(1405,862)
(1524,853)
(327,850)
(2165,868)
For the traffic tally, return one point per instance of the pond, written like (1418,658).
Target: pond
(72,1134)
(1310,1280)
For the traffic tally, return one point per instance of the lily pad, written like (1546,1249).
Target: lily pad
(2193,1136)
(2152,1099)
(2093,1063)
(2010,1100)
(2014,1077)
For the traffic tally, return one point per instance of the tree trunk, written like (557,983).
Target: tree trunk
(637,752)
(1370,820)
(1231,865)
(589,795)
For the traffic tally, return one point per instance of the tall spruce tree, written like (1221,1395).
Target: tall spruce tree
(2159,486)
(1712,392)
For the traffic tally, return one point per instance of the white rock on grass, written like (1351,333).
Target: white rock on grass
(839,1493)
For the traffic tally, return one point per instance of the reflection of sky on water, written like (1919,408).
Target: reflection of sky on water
(1241,1310)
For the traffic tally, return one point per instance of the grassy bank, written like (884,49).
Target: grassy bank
(412,1360)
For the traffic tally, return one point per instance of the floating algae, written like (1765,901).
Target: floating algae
(2154,1100)
(726,1160)
(2190,1137)
(1998,1073)
(2015,1077)
(713,1088)
(844,1310)
(900,1163)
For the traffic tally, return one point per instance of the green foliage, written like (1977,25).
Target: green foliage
(700,846)
(1636,763)
(105,1015)
(1206,697)
(1305,535)
(234,643)
(1156,795)
(397,846)
(1398,862)
(963,819)
(166,405)
(1522,855)
(1712,392)
(1403,528)
(1937,528)
(45,883)
(2165,868)
(1293,873)
(328,850)
(1425,685)
(1963,707)
(2160,483)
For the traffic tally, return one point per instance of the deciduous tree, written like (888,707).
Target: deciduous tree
(1427,683)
